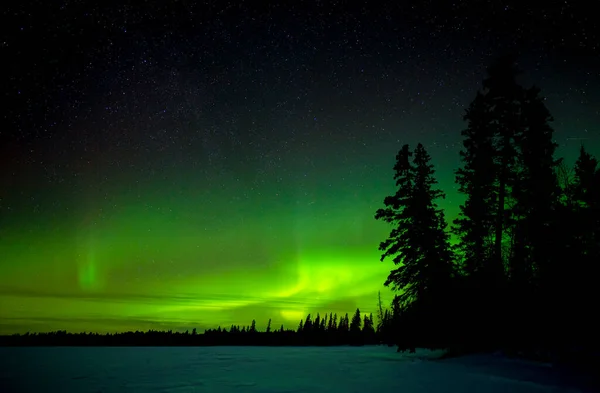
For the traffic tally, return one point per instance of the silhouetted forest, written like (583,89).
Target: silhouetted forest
(520,275)
(326,330)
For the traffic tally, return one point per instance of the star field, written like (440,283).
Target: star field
(178,166)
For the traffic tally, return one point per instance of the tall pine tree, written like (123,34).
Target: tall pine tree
(536,192)
(502,97)
(418,243)
(356,322)
(487,178)
(489,170)
(537,196)
(507,228)
(477,179)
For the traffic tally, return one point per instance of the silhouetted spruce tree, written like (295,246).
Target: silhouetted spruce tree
(330,323)
(418,243)
(366,322)
(355,335)
(269,326)
(535,191)
(489,156)
(536,251)
(503,97)
(368,330)
(485,226)
(356,322)
(344,324)
(476,179)
(308,325)
(476,223)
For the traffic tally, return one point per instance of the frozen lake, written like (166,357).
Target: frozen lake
(264,369)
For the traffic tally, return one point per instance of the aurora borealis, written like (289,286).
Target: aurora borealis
(181,167)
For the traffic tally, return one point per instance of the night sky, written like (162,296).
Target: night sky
(179,166)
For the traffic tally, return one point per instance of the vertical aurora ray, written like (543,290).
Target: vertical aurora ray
(88,277)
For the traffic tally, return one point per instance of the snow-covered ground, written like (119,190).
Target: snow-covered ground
(262,369)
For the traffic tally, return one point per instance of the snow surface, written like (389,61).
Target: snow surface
(377,369)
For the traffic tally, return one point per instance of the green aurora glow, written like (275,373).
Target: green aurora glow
(157,179)
(169,259)
(179,256)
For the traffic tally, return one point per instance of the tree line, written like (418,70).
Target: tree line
(326,330)
(520,275)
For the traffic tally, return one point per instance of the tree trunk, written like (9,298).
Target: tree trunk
(500,208)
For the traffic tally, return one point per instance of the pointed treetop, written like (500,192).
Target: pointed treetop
(402,162)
